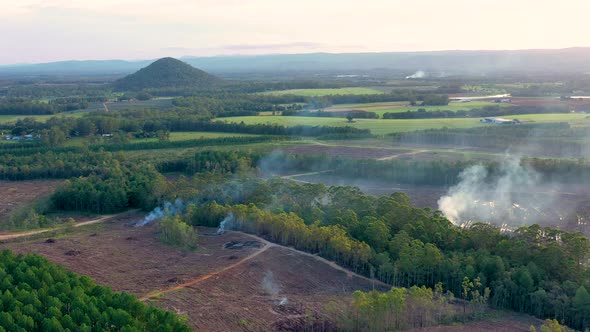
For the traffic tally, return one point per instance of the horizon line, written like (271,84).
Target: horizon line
(295,53)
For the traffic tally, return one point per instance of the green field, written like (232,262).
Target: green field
(175,136)
(40,118)
(382,127)
(326,92)
(403,106)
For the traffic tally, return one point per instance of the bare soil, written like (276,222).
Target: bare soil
(17,193)
(221,286)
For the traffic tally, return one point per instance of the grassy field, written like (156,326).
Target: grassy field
(40,118)
(175,136)
(326,92)
(382,127)
(403,106)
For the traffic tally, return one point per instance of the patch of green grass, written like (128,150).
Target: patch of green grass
(326,92)
(382,126)
(41,118)
(400,107)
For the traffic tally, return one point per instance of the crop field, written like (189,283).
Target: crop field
(326,92)
(400,107)
(158,103)
(386,126)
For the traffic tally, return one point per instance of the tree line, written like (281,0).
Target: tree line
(537,270)
(20,106)
(486,111)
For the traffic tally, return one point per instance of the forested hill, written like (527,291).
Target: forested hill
(167,73)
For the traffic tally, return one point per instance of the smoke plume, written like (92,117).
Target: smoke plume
(226,224)
(512,197)
(418,74)
(168,209)
(272,288)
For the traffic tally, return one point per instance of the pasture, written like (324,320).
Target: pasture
(326,92)
(383,126)
(404,106)
(41,118)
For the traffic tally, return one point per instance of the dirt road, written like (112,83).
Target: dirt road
(11,236)
(395,156)
(267,245)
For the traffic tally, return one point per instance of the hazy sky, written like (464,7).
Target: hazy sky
(51,30)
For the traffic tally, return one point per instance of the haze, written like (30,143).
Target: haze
(42,31)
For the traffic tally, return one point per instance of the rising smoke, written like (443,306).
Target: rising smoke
(272,288)
(418,74)
(169,209)
(226,224)
(512,197)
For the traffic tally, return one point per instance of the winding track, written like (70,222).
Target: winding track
(267,245)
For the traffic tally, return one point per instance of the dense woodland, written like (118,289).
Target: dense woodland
(535,270)
(36,295)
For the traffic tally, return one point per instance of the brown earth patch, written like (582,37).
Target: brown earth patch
(17,193)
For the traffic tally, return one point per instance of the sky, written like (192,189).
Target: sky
(33,31)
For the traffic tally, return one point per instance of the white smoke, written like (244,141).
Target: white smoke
(226,223)
(272,288)
(494,198)
(418,74)
(168,209)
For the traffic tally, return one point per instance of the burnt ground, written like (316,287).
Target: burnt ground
(243,302)
(131,259)
(219,289)
(18,193)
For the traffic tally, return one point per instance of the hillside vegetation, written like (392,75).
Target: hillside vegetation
(166,73)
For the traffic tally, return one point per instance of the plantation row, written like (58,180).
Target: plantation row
(36,295)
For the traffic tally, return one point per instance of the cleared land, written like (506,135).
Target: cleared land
(14,194)
(220,289)
(131,259)
(326,92)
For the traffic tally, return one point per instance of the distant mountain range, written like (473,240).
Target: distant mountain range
(570,60)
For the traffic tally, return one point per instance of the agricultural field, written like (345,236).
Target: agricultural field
(388,126)
(157,103)
(4,119)
(400,107)
(326,92)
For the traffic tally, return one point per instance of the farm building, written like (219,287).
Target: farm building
(499,121)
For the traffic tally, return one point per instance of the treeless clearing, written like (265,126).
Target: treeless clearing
(349,152)
(16,193)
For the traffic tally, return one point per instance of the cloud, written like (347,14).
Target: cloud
(305,45)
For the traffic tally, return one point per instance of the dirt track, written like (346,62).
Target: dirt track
(12,236)
(267,245)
